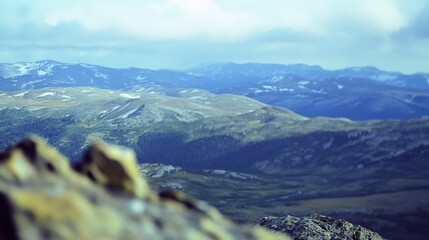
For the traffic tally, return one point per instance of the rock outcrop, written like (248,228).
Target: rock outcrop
(318,227)
(102,197)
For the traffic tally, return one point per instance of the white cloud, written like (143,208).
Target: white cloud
(168,19)
(218,20)
(325,17)
(386,14)
(381,15)
(336,32)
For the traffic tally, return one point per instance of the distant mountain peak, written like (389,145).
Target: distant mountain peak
(358,93)
(363,68)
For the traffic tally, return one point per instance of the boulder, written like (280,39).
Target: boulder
(102,197)
(318,227)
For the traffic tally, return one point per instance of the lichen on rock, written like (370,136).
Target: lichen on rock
(102,197)
(116,168)
(318,227)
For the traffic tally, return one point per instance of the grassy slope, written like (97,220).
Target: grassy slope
(392,207)
(394,189)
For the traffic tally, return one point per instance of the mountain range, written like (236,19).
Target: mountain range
(246,157)
(357,93)
(200,130)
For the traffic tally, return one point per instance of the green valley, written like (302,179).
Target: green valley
(248,159)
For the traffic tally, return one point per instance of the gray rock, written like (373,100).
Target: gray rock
(318,227)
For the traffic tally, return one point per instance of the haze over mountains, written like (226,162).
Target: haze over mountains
(300,107)
(362,93)
(255,158)
(165,117)
(248,158)
(201,130)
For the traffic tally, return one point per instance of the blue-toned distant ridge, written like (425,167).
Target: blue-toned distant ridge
(358,93)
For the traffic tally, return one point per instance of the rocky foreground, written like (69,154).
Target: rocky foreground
(318,227)
(103,197)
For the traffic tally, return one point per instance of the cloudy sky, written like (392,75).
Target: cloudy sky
(389,34)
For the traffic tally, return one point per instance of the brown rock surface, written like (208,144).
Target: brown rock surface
(103,197)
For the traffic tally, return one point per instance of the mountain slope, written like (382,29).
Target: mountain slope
(245,157)
(356,93)
(34,75)
(201,130)
(221,71)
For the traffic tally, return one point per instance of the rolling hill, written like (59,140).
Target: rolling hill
(245,157)
(356,93)
(202,130)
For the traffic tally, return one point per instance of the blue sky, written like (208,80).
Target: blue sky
(389,34)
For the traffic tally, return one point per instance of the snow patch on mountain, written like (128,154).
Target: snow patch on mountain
(126,95)
(140,77)
(231,174)
(303,82)
(384,77)
(46,94)
(47,70)
(269,87)
(106,112)
(317,91)
(22,69)
(20,94)
(128,104)
(87,66)
(42,72)
(101,75)
(36,108)
(18,70)
(129,113)
(148,89)
(355,69)
(198,98)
